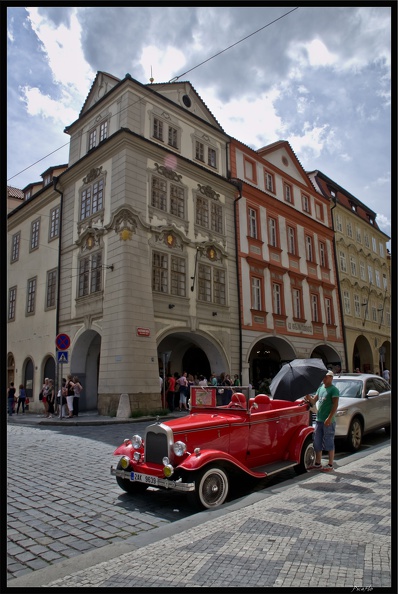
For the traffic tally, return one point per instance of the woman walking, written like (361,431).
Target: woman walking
(21,399)
(77,389)
(70,395)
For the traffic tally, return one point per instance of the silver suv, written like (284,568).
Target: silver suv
(364,406)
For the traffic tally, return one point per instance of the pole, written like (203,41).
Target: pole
(164,380)
(60,388)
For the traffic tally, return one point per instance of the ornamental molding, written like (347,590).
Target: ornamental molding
(168,173)
(92,175)
(209,192)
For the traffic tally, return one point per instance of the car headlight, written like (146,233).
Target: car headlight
(341,413)
(168,470)
(179,448)
(124,462)
(136,442)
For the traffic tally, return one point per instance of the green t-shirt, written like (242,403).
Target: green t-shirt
(325,401)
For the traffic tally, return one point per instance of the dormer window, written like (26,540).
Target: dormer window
(47,180)
(353,207)
(333,193)
(166,131)
(97,134)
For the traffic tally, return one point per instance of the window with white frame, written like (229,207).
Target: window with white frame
(353,264)
(99,132)
(15,246)
(374,245)
(366,237)
(370,274)
(296,295)
(92,139)
(249,169)
(272,230)
(377,276)
(54,222)
(252,215)
(349,229)
(347,302)
(291,240)
(211,284)
(92,199)
(269,181)
(12,301)
(315,308)
(288,193)
(169,274)
(328,311)
(205,153)
(362,269)
(381,250)
(343,264)
(51,289)
(166,131)
(339,223)
(309,248)
(384,281)
(322,254)
(319,211)
(90,274)
(103,131)
(168,196)
(359,235)
(31,296)
(256,293)
(208,213)
(357,306)
(374,312)
(277,299)
(34,235)
(305,201)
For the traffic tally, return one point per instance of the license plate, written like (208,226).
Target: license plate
(144,478)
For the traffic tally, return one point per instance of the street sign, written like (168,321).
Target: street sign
(143,332)
(62,356)
(62,342)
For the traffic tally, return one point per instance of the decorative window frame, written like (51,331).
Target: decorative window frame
(54,223)
(94,177)
(247,162)
(288,194)
(94,130)
(208,143)
(12,304)
(269,177)
(15,247)
(31,295)
(169,124)
(51,289)
(215,212)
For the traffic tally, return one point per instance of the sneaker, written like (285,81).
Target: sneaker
(315,467)
(327,468)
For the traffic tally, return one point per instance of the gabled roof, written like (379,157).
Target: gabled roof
(15,192)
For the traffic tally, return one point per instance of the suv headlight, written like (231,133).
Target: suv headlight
(341,413)
(179,448)
(136,442)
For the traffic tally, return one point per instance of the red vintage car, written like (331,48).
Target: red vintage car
(202,452)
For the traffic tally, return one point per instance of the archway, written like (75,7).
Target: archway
(84,363)
(362,357)
(266,358)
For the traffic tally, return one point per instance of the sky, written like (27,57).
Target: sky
(316,76)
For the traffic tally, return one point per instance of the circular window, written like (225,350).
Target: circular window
(285,161)
(186,101)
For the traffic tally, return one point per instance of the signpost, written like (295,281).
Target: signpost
(62,342)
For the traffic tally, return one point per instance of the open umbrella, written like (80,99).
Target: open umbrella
(297,378)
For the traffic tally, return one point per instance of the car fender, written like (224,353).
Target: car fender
(204,457)
(297,442)
(124,450)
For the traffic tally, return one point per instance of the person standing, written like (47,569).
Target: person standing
(21,398)
(183,390)
(70,394)
(202,381)
(236,380)
(227,395)
(11,399)
(171,382)
(44,392)
(77,390)
(176,391)
(50,398)
(325,425)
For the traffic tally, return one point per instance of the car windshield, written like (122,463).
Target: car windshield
(349,388)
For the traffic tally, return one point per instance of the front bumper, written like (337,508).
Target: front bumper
(163,483)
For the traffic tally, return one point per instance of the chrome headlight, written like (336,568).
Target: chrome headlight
(136,456)
(168,470)
(136,442)
(179,448)
(124,462)
(341,413)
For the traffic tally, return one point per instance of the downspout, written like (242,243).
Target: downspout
(334,199)
(238,184)
(55,181)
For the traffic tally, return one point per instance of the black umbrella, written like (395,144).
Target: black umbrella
(298,378)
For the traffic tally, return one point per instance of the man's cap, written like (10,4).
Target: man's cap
(330,373)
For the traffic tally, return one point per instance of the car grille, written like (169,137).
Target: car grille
(155,447)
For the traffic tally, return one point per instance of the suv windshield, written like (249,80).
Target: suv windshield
(349,388)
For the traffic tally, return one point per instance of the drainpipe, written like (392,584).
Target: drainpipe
(55,181)
(334,199)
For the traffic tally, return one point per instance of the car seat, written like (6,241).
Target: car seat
(263,402)
(238,400)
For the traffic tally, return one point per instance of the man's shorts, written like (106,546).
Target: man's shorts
(324,436)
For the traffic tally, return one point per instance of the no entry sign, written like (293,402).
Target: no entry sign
(62,342)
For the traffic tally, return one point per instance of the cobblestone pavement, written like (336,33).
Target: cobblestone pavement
(320,530)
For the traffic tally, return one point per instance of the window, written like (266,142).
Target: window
(51,289)
(92,139)
(92,199)
(177,201)
(277,302)
(309,249)
(199,151)
(296,295)
(99,131)
(291,240)
(357,306)
(353,265)
(370,274)
(339,223)
(16,242)
(322,254)
(306,203)
(54,222)
(256,293)
(328,311)
(377,275)
(208,214)
(381,250)
(103,131)
(252,216)
(12,299)
(384,281)
(349,229)
(168,274)
(250,170)
(347,302)
(374,245)
(90,274)
(34,235)
(211,282)
(269,181)
(173,137)
(211,157)
(359,235)
(288,193)
(367,244)
(158,129)
(343,265)
(374,312)
(362,270)
(168,196)
(315,308)
(204,152)
(162,131)
(31,296)
(319,211)
(273,239)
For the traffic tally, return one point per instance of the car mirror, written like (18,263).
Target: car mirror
(372,393)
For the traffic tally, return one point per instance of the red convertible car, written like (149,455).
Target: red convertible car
(202,452)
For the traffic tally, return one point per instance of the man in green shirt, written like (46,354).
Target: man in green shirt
(325,425)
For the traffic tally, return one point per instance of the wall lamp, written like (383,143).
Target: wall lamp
(214,313)
(171,305)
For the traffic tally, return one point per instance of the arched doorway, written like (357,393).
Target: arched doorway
(28,378)
(84,363)
(362,355)
(196,363)
(266,358)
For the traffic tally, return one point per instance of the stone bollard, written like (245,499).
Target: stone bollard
(124,409)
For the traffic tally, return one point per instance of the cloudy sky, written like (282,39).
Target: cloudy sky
(319,77)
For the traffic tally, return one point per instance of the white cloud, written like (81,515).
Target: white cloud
(38,104)
(161,63)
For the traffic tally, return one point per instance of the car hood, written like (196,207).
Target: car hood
(198,420)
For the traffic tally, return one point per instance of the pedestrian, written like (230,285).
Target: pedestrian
(176,391)
(191,382)
(70,395)
(202,381)
(11,399)
(227,395)
(77,389)
(386,375)
(236,380)
(21,398)
(183,391)
(325,425)
(62,394)
(171,383)
(50,399)
(44,392)
(213,379)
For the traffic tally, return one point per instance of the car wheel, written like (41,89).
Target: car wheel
(307,457)
(128,486)
(211,488)
(354,437)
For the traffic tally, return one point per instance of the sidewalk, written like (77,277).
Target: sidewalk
(84,418)
(316,530)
